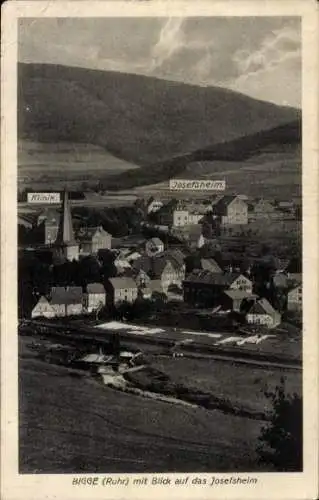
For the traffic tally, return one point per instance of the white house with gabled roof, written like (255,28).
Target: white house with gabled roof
(43,309)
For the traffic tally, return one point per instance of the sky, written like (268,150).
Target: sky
(258,56)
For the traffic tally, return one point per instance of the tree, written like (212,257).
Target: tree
(88,271)
(124,310)
(281,441)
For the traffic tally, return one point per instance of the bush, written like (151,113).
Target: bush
(281,440)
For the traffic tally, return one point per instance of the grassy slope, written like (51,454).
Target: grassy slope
(140,119)
(75,425)
(72,157)
(239,384)
(168,128)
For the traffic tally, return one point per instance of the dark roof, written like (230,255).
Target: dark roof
(210,278)
(210,265)
(66,295)
(294,266)
(95,288)
(155,265)
(131,273)
(222,204)
(239,294)
(294,286)
(144,262)
(155,285)
(262,306)
(170,206)
(175,255)
(125,282)
(30,217)
(50,216)
(87,233)
(158,266)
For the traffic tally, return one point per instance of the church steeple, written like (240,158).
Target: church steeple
(66,248)
(65,231)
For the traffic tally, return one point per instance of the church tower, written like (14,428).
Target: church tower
(66,248)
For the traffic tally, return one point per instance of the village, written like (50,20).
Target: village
(188,255)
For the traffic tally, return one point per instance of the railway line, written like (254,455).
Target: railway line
(90,336)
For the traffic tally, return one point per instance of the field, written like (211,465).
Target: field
(242,385)
(70,424)
(273,173)
(77,165)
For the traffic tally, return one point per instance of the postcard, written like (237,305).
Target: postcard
(159,250)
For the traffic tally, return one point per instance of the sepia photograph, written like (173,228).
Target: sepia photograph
(159,329)
(159,247)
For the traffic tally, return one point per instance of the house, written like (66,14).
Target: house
(140,277)
(43,309)
(261,209)
(280,280)
(210,265)
(66,301)
(93,239)
(294,298)
(122,289)
(94,297)
(195,214)
(231,210)
(176,256)
(154,246)
(173,214)
(152,289)
(166,267)
(263,313)
(286,206)
(27,220)
(168,272)
(193,236)
(236,300)
(204,288)
(48,225)
(153,205)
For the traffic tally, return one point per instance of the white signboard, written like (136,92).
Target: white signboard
(202,185)
(44,198)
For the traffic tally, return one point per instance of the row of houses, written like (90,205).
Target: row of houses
(208,287)
(70,300)
(234,292)
(228,210)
